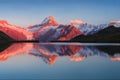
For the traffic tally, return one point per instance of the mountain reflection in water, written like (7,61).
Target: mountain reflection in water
(50,52)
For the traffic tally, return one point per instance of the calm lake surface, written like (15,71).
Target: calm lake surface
(60,61)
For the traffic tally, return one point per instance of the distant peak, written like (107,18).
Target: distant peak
(52,20)
(51,17)
(78,22)
(49,20)
(115,23)
(3,22)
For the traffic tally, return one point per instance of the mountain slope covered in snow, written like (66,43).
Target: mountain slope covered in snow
(15,32)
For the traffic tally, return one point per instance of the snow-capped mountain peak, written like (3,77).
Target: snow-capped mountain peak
(3,22)
(115,23)
(79,22)
(49,20)
(88,29)
(46,23)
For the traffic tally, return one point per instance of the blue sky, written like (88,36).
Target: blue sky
(29,12)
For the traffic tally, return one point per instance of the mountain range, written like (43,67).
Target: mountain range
(50,30)
(107,35)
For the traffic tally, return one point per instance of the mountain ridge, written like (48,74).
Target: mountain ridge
(110,34)
(50,30)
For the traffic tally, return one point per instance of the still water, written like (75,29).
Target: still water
(60,61)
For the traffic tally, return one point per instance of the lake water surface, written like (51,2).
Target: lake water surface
(60,61)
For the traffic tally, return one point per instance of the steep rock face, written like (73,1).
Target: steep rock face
(39,29)
(61,32)
(15,32)
(46,23)
(68,32)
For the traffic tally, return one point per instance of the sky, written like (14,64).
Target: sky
(29,12)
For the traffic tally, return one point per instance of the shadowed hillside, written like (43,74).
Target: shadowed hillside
(110,34)
(5,38)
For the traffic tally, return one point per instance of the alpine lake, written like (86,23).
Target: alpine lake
(60,61)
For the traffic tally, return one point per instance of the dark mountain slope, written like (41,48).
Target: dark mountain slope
(5,38)
(110,34)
